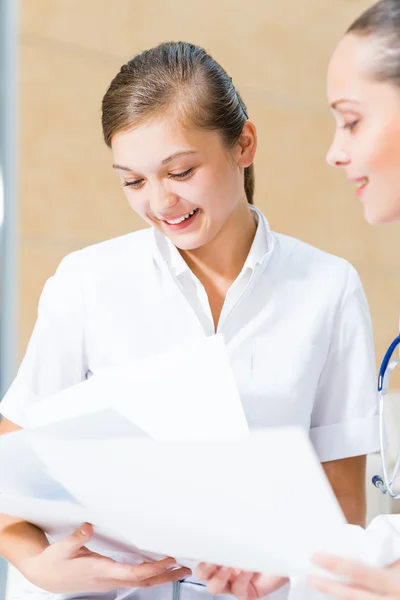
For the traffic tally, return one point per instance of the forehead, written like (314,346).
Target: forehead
(350,66)
(160,137)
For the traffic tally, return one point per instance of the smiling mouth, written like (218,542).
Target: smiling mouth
(182,218)
(361,183)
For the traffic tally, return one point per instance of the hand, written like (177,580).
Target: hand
(242,584)
(67,566)
(364,583)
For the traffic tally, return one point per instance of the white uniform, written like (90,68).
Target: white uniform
(384,531)
(295,322)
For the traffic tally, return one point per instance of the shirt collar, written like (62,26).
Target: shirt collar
(261,243)
(262,246)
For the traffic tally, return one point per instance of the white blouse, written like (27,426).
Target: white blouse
(296,325)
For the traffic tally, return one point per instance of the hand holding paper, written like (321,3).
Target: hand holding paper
(242,584)
(67,566)
(165,468)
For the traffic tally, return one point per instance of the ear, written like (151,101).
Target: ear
(247,144)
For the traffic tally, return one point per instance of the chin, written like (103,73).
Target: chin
(187,244)
(378,216)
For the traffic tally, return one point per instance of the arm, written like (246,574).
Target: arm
(20,541)
(344,419)
(67,566)
(7,426)
(13,530)
(347,478)
(56,359)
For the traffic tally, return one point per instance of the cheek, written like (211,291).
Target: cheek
(382,149)
(382,204)
(135,201)
(204,191)
(222,186)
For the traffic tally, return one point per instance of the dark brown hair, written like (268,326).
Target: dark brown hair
(181,78)
(382,21)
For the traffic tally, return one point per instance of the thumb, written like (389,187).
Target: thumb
(70,545)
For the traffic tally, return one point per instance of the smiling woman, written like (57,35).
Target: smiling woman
(184,182)
(183,148)
(364,94)
(363,91)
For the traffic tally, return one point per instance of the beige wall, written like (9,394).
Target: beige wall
(277,54)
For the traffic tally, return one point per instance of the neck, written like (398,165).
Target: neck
(224,256)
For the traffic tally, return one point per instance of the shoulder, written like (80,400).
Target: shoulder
(111,256)
(318,269)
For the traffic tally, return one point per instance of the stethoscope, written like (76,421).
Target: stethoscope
(387,367)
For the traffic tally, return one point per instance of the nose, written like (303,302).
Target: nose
(162,200)
(337,156)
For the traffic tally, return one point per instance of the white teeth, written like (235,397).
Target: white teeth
(176,221)
(362,182)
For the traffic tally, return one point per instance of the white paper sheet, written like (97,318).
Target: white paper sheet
(23,474)
(220,501)
(189,392)
(60,518)
(158,457)
(157,394)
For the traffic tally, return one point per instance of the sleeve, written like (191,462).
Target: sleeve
(344,420)
(56,356)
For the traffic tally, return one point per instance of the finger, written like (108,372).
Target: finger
(341,591)
(146,570)
(219,582)
(240,585)
(205,571)
(266,584)
(166,577)
(71,544)
(169,576)
(375,580)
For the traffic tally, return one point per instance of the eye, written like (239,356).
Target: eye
(134,184)
(181,175)
(351,125)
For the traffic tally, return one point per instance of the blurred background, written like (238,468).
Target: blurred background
(68,196)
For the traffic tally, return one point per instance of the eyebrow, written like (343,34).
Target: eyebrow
(337,103)
(163,162)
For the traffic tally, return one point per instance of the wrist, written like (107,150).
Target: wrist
(21,541)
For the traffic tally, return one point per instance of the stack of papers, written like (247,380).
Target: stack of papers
(158,456)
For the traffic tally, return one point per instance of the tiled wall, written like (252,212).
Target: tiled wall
(276,52)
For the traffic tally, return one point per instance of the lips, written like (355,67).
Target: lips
(361,186)
(181,222)
(360,183)
(180,218)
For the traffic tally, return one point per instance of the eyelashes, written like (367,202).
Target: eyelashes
(181,175)
(132,183)
(138,182)
(352,125)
